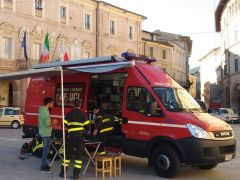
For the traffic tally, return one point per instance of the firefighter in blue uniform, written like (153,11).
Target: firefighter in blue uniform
(104,128)
(77,123)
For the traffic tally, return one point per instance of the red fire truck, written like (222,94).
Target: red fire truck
(160,120)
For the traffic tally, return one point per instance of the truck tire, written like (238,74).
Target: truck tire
(15,124)
(208,167)
(166,161)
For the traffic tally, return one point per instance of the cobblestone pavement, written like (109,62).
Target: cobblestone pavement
(11,168)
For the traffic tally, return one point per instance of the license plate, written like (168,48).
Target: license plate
(228,157)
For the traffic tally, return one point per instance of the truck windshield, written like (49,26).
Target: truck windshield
(177,100)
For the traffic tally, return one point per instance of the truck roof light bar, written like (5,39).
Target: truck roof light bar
(130,56)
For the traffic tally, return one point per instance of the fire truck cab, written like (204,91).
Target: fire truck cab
(158,119)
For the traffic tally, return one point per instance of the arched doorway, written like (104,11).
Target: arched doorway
(236,97)
(10,95)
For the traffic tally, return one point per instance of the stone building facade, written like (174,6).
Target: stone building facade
(158,49)
(193,87)
(89,28)
(182,50)
(227,19)
(210,84)
(172,51)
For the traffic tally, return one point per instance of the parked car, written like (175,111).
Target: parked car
(226,114)
(11,116)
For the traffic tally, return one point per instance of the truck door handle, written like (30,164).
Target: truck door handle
(124,120)
(12,116)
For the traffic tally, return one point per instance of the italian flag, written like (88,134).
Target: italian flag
(64,51)
(45,51)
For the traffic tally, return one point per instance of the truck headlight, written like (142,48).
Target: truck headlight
(198,132)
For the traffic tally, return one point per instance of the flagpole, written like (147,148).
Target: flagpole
(56,45)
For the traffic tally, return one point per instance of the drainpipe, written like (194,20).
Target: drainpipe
(97,30)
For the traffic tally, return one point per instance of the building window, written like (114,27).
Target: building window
(236,7)
(164,54)
(87,22)
(38,8)
(230,11)
(233,9)
(86,55)
(151,51)
(151,37)
(38,4)
(7,45)
(37,51)
(236,65)
(112,27)
(62,11)
(225,70)
(130,31)
(8,4)
(235,35)
(63,15)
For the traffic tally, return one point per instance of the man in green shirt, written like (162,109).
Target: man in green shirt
(45,130)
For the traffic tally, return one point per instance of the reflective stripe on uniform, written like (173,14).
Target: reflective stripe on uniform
(116,119)
(65,121)
(92,121)
(76,129)
(67,162)
(99,117)
(75,124)
(86,122)
(38,146)
(106,120)
(107,129)
(102,153)
(77,166)
(78,162)
(78,123)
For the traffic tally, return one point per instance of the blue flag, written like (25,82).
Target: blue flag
(24,46)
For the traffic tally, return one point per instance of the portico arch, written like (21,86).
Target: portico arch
(236,96)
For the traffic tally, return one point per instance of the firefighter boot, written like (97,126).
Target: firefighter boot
(62,171)
(76,173)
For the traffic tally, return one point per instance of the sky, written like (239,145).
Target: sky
(193,18)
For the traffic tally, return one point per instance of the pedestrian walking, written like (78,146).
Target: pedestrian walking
(77,123)
(45,130)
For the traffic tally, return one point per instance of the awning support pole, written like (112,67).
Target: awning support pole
(63,124)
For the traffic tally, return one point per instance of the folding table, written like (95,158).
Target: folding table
(87,142)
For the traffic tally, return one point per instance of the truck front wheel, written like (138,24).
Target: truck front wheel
(166,161)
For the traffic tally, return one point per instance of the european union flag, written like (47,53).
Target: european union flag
(24,46)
